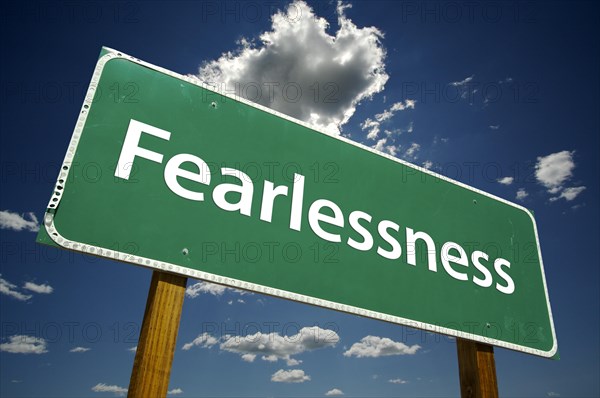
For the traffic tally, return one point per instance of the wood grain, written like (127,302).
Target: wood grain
(156,346)
(477,370)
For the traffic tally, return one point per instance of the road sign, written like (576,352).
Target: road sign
(164,172)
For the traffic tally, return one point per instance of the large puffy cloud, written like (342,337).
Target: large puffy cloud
(333,72)
(374,346)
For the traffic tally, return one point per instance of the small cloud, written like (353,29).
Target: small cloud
(522,194)
(554,170)
(17,222)
(569,194)
(374,347)
(506,180)
(41,289)
(397,381)
(16,381)
(577,206)
(553,394)
(336,392)
(79,349)
(213,289)
(494,126)
(428,164)
(101,387)
(10,290)
(248,357)
(411,152)
(204,340)
(22,344)
(289,376)
(132,349)
(372,127)
(462,82)
(175,391)
(293,362)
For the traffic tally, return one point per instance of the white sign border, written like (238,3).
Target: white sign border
(238,284)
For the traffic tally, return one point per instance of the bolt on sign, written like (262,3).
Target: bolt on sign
(164,172)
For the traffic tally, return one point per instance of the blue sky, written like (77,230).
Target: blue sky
(501,96)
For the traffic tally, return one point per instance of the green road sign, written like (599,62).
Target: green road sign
(164,172)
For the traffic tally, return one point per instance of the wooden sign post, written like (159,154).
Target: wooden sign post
(477,370)
(156,346)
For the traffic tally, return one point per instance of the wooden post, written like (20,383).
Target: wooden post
(477,370)
(156,346)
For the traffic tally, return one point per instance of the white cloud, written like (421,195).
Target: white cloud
(175,391)
(132,349)
(101,387)
(391,111)
(11,290)
(506,180)
(554,170)
(271,347)
(382,147)
(289,376)
(79,349)
(21,344)
(569,194)
(14,221)
(495,126)
(397,381)
(248,357)
(336,392)
(41,289)
(411,152)
(522,194)
(373,346)
(199,288)
(462,82)
(553,394)
(374,126)
(292,362)
(297,56)
(204,340)
(428,164)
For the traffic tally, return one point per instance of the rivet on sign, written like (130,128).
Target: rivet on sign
(474,201)
(185,251)
(213,105)
(487,325)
